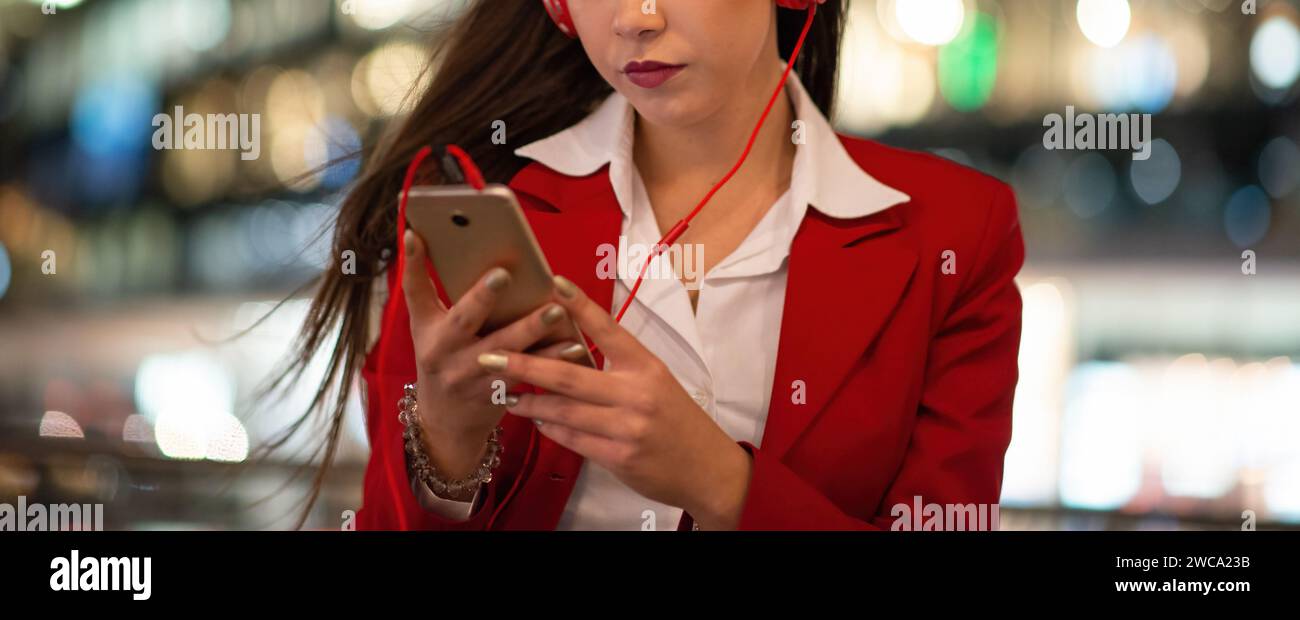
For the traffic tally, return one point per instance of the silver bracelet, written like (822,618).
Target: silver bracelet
(419,465)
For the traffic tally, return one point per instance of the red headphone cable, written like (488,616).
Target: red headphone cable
(475,178)
(680,227)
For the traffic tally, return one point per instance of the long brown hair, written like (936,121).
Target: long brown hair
(503,60)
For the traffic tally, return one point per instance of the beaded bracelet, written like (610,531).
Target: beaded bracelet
(419,461)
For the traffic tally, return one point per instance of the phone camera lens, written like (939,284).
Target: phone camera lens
(460,220)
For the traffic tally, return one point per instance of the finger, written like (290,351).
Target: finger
(526,332)
(421,299)
(473,371)
(595,321)
(575,414)
(493,390)
(468,314)
(569,351)
(602,450)
(574,380)
(487,384)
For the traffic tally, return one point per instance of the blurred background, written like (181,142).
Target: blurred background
(1160,364)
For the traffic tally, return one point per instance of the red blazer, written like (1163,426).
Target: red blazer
(909,371)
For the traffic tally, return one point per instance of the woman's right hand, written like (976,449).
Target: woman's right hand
(457,412)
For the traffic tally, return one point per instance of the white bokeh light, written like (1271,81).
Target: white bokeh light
(1275,53)
(182,381)
(189,397)
(61,425)
(930,22)
(1101,445)
(378,14)
(1104,22)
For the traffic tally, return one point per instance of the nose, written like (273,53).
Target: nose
(634,19)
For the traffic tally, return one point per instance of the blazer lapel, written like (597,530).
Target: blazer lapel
(845,279)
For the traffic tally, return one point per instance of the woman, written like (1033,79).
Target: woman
(848,346)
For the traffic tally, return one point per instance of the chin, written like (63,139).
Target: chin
(674,109)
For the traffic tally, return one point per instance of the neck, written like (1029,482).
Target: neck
(696,157)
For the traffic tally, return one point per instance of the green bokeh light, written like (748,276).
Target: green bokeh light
(968,66)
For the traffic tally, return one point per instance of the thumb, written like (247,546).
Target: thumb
(421,298)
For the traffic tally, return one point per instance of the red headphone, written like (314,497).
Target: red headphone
(559,11)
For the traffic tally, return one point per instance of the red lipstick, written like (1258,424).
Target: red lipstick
(650,73)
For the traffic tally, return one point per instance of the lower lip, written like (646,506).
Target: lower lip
(652,79)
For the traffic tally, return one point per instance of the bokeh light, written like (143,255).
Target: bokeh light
(1155,178)
(1037,177)
(1191,49)
(1104,22)
(203,24)
(1199,443)
(385,79)
(1275,53)
(1090,185)
(112,116)
(897,90)
(136,429)
(187,381)
(1101,454)
(1153,72)
(196,176)
(1247,216)
(378,14)
(211,436)
(968,67)
(1279,167)
(929,22)
(59,425)
(1141,73)
(6,270)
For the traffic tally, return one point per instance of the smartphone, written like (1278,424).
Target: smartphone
(469,232)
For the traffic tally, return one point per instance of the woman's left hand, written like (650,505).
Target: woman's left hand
(634,418)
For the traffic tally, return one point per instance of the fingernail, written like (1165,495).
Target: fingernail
(497,279)
(492,361)
(512,401)
(408,239)
(573,351)
(537,422)
(566,288)
(552,314)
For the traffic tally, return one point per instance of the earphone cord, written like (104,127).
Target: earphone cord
(475,178)
(680,227)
